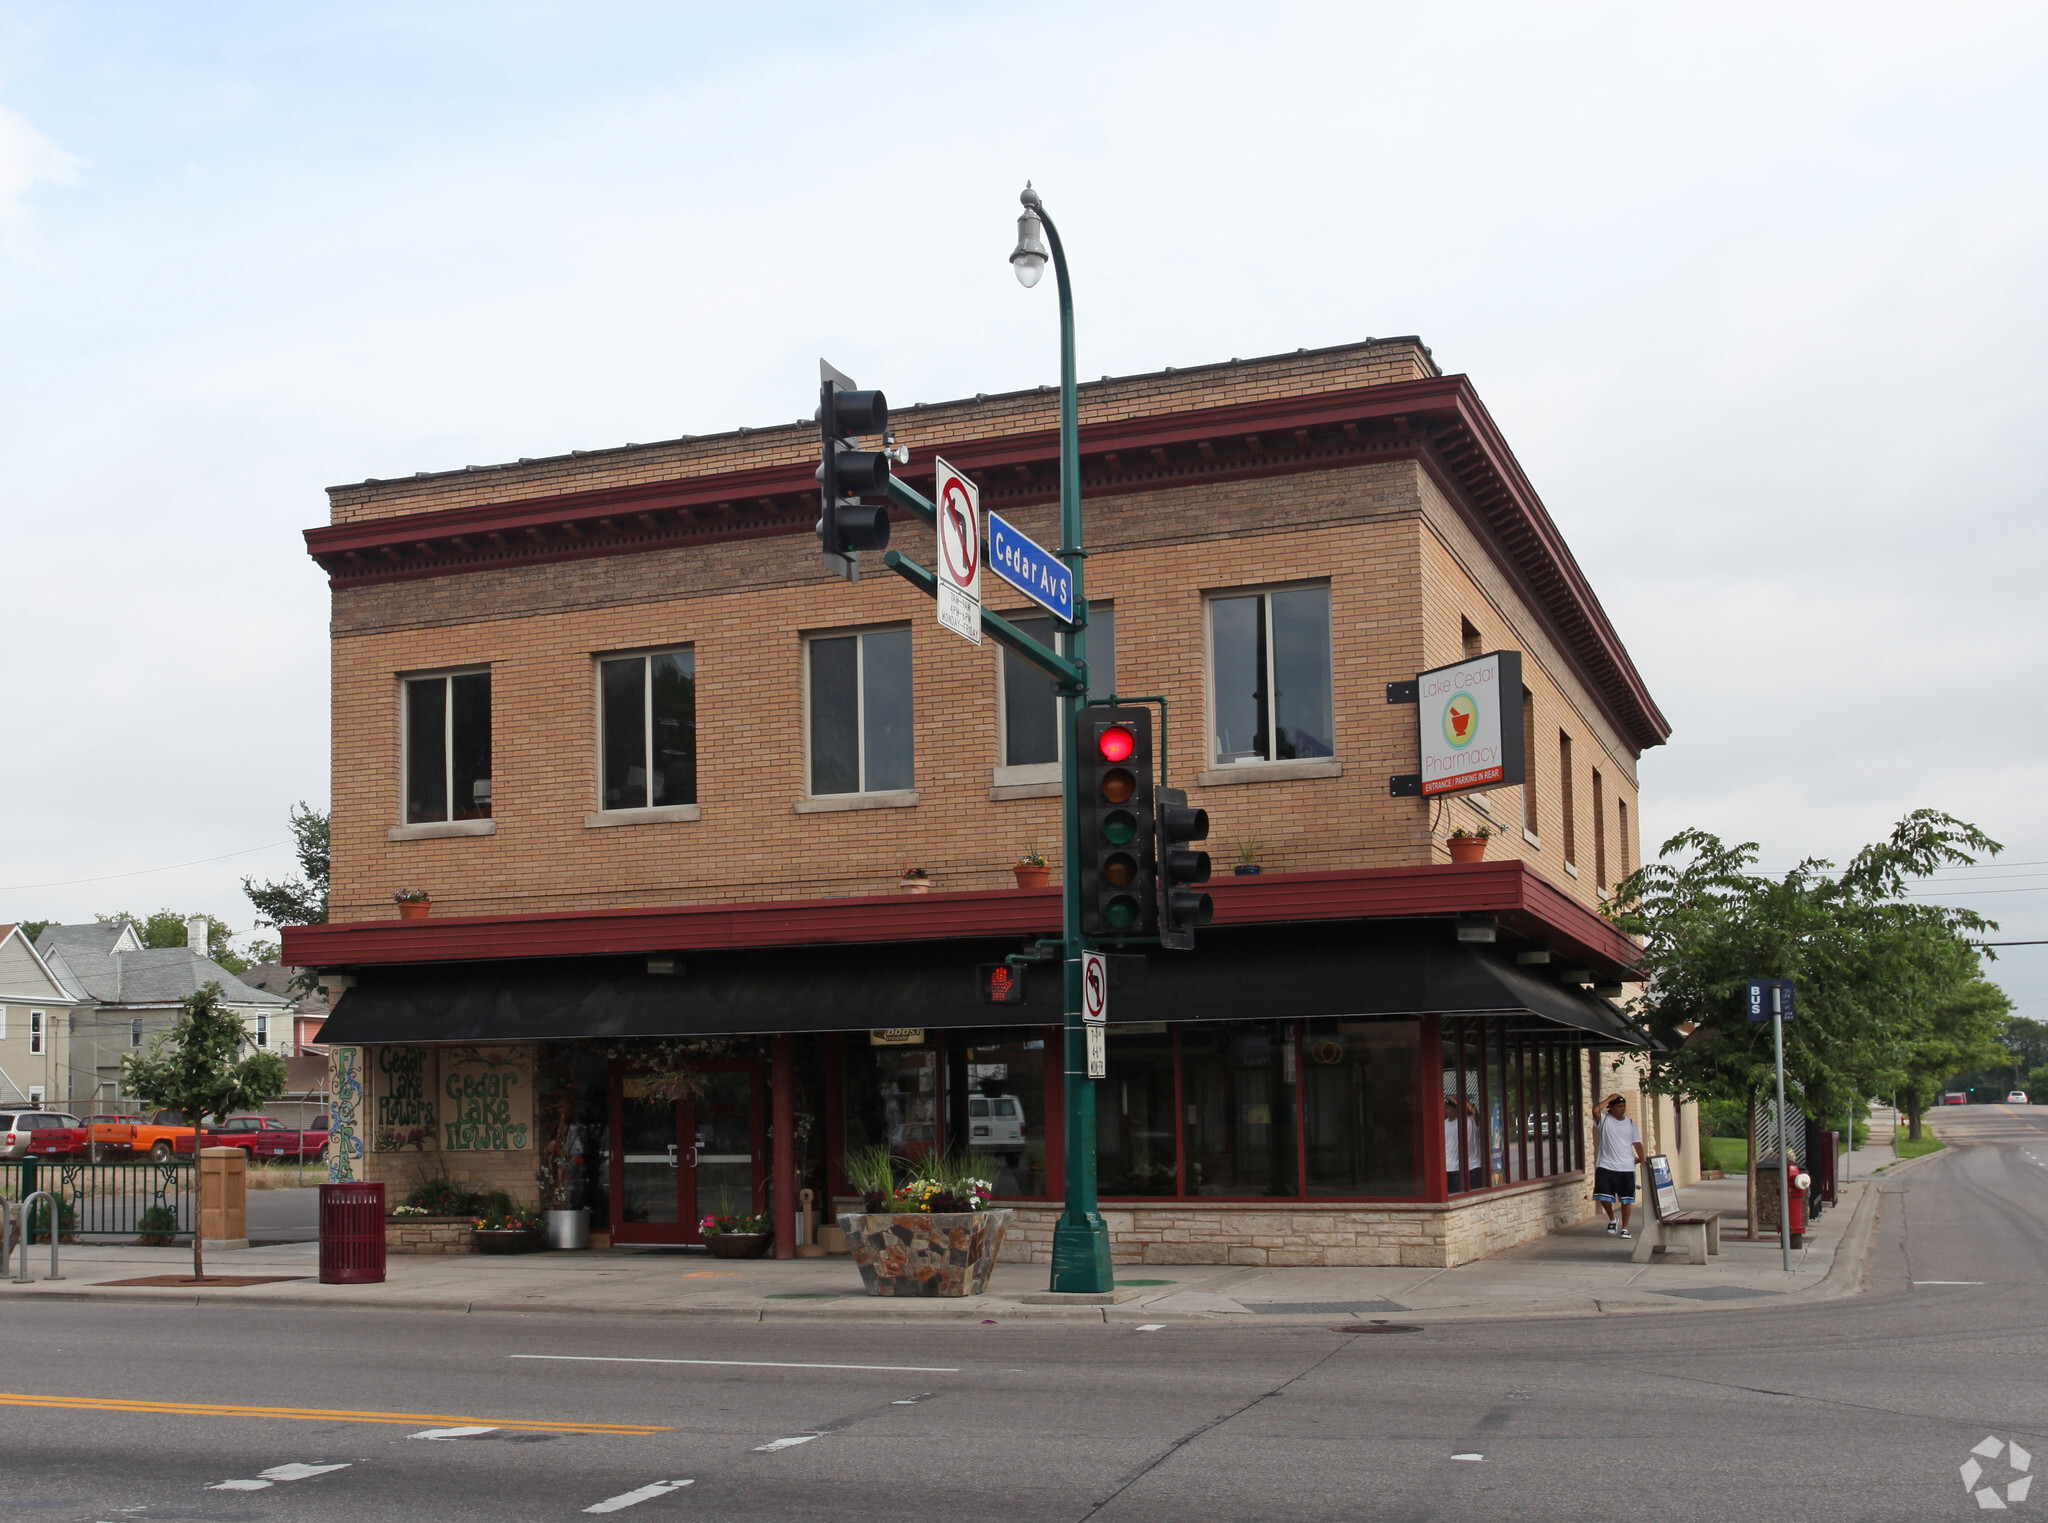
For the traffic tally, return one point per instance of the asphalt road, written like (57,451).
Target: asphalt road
(1860,1408)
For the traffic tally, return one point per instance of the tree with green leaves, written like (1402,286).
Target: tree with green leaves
(1882,978)
(205,1065)
(302,900)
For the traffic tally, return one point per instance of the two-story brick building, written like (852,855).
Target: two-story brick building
(662,776)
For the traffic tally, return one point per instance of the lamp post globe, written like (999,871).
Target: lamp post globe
(1028,258)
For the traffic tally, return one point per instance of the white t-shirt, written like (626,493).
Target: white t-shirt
(1617,1141)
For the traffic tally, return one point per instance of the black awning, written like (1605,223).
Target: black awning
(1237,974)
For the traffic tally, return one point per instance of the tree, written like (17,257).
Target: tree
(166,928)
(199,1067)
(303,900)
(31,929)
(1878,973)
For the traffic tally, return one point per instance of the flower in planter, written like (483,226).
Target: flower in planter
(410,1211)
(410,896)
(503,1222)
(914,873)
(1473,833)
(1034,858)
(715,1224)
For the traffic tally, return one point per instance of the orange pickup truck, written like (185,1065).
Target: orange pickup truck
(164,1133)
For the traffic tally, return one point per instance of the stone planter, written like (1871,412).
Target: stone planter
(428,1234)
(738,1245)
(502,1240)
(914,1254)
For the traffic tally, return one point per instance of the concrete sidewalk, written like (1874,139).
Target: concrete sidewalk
(1580,1271)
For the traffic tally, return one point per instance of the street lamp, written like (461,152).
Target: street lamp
(1080,1243)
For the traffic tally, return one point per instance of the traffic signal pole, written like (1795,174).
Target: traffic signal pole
(1080,1244)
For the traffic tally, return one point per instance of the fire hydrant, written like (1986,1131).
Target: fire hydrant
(1797,1182)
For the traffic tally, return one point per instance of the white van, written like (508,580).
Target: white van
(995,1124)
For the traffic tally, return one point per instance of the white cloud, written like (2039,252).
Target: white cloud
(27,159)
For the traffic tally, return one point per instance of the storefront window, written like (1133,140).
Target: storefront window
(1238,1085)
(1464,1153)
(1358,1097)
(892,1098)
(1134,1114)
(1004,1100)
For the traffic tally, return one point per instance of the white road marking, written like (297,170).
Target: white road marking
(1948,1282)
(452,1432)
(645,1493)
(292,1472)
(1468,1456)
(1151,1327)
(749,1364)
(786,1443)
(298,1472)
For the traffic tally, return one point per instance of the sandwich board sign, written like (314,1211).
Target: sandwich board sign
(1471,724)
(959,534)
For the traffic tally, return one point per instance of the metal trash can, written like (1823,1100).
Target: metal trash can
(352,1234)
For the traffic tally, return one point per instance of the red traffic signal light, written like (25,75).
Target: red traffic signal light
(1002,984)
(1116,743)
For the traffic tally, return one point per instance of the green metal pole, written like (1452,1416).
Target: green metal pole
(1080,1243)
(1784,1139)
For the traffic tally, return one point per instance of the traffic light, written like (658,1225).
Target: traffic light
(1113,748)
(1181,909)
(1002,984)
(846,525)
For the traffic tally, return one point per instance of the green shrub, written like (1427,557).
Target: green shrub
(158,1226)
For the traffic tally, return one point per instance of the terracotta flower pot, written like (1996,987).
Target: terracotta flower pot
(1467,848)
(738,1245)
(415,909)
(1031,877)
(916,885)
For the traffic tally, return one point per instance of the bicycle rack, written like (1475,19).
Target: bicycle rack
(56,1231)
(6,1235)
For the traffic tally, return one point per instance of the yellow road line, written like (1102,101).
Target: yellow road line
(210,1409)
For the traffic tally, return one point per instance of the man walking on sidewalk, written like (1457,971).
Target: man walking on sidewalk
(1617,1157)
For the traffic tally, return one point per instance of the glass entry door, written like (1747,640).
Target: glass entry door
(674,1159)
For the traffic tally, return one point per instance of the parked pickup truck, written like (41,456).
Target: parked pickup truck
(167,1133)
(262,1137)
(41,1134)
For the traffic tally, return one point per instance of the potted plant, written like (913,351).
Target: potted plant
(731,1234)
(1469,844)
(413,903)
(1032,869)
(500,1230)
(915,880)
(933,1235)
(1248,852)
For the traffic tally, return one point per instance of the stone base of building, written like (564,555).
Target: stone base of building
(428,1234)
(1422,1235)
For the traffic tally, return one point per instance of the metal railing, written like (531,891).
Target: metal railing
(128,1199)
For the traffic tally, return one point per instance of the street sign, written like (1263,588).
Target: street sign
(1760,998)
(1034,571)
(1094,988)
(1470,720)
(959,533)
(1098,1053)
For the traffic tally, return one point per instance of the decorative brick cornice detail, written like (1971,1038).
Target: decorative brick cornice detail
(1438,422)
(1520,898)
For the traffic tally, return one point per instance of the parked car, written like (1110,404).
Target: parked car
(2017,1097)
(1954,1098)
(41,1134)
(313,1140)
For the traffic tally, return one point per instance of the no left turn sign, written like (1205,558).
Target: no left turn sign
(1094,988)
(959,536)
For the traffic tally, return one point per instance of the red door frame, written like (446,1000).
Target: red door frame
(684,1229)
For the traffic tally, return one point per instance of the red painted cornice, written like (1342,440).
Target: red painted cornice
(1521,899)
(1439,422)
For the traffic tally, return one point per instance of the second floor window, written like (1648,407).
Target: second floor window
(448,748)
(1270,670)
(860,712)
(263,1031)
(1030,712)
(650,730)
(135,1033)
(35,1031)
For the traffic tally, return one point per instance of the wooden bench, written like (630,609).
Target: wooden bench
(1695,1233)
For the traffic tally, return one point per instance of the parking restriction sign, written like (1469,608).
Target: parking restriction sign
(1094,988)
(959,535)
(1098,1053)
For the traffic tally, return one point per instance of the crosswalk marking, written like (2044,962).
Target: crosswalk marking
(639,1494)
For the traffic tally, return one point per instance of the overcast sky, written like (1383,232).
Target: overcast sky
(1755,292)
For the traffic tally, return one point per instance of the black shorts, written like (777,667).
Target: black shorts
(1617,1185)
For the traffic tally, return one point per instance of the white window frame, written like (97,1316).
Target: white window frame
(893,798)
(1215,772)
(263,1032)
(38,1033)
(36,1097)
(405,680)
(3,1023)
(1042,778)
(134,1037)
(650,814)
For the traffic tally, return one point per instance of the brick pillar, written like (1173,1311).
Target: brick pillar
(783,1149)
(224,1197)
